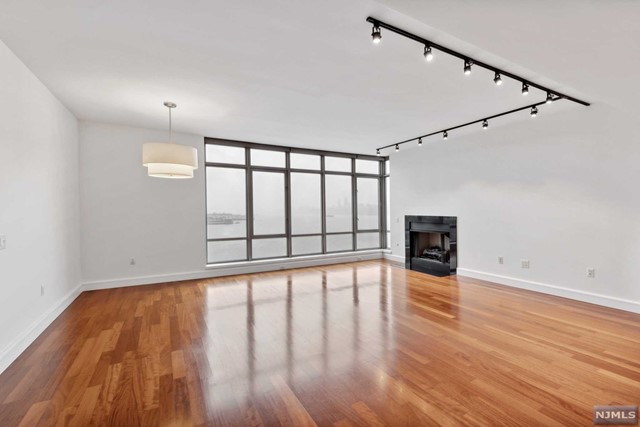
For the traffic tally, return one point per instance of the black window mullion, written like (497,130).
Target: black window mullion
(287,202)
(268,169)
(249,192)
(226,239)
(206,210)
(381,210)
(339,173)
(224,165)
(307,235)
(323,205)
(316,171)
(381,205)
(354,204)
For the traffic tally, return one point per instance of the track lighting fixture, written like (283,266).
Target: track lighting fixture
(378,152)
(428,54)
(467,67)
(468,62)
(375,34)
(485,124)
(552,95)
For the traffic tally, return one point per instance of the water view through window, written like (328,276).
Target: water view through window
(274,202)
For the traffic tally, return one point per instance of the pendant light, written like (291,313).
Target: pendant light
(169,160)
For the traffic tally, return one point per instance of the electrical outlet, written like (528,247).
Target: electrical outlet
(41,290)
(500,260)
(591,273)
(524,263)
(3,242)
(132,261)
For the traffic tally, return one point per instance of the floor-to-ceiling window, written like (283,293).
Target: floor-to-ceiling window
(276,202)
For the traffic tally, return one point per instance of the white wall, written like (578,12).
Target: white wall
(39,207)
(126,214)
(559,190)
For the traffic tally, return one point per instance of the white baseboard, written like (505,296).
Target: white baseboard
(11,352)
(590,297)
(231,269)
(143,280)
(396,259)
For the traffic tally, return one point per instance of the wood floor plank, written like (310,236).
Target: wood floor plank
(295,409)
(370,417)
(82,416)
(33,415)
(356,344)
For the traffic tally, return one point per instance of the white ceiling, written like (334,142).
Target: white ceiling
(305,73)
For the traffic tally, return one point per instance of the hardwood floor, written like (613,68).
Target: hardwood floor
(363,344)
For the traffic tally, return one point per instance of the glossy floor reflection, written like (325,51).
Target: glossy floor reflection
(353,344)
(298,328)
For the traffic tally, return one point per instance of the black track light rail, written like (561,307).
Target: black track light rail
(464,57)
(515,110)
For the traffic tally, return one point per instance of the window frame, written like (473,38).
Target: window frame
(287,171)
(384,199)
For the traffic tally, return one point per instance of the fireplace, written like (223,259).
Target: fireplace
(431,244)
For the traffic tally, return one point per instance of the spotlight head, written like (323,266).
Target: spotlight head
(428,54)
(485,124)
(397,148)
(419,142)
(525,89)
(376,37)
(497,79)
(467,67)
(445,135)
(378,152)
(534,111)
(549,98)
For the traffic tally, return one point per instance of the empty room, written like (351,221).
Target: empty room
(319,213)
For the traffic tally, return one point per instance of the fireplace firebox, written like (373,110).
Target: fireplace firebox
(431,244)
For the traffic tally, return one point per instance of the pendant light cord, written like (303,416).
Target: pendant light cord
(170,106)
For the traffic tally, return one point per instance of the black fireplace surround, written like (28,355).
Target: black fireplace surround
(431,244)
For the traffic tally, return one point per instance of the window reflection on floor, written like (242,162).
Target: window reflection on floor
(300,325)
